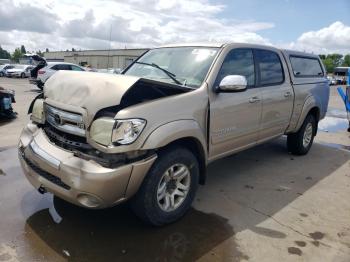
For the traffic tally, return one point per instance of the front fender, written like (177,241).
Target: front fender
(173,131)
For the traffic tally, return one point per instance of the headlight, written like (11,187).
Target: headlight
(38,115)
(106,131)
(127,131)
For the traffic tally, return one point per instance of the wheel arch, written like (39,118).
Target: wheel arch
(310,107)
(184,133)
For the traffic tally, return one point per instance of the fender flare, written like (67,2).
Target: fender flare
(309,103)
(175,130)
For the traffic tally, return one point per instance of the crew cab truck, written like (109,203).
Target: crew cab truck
(147,135)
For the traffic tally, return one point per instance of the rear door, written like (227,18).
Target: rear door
(277,93)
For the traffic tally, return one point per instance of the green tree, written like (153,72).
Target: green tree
(16,55)
(323,57)
(23,49)
(331,61)
(47,50)
(4,54)
(346,61)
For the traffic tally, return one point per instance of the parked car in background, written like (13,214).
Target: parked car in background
(3,69)
(7,97)
(21,71)
(40,76)
(148,134)
(332,80)
(110,70)
(341,74)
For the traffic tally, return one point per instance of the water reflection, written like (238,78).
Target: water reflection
(116,234)
(333,124)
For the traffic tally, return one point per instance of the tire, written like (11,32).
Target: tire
(23,75)
(148,206)
(295,142)
(1,74)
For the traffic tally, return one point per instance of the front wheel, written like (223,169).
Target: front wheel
(300,143)
(169,188)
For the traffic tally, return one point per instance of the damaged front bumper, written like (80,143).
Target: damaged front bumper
(79,181)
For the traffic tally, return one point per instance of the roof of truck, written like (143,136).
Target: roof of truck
(222,44)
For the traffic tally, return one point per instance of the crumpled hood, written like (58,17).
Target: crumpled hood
(88,90)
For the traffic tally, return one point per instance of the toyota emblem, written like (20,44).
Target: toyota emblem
(57,119)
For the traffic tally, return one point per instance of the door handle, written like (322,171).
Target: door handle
(254,99)
(287,94)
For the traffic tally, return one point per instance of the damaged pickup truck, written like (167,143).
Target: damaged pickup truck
(147,135)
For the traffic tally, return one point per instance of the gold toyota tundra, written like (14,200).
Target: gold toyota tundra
(147,135)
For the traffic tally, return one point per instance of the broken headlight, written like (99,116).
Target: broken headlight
(127,131)
(38,115)
(106,131)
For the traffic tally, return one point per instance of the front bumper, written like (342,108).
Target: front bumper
(81,182)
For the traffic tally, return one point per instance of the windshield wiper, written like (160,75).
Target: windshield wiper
(168,73)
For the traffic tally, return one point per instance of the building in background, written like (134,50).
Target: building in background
(115,58)
(4,61)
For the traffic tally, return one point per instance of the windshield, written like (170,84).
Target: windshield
(187,66)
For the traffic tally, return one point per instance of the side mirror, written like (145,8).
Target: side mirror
(232,83)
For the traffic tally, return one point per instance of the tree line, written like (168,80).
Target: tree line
(330,61)
(17,54)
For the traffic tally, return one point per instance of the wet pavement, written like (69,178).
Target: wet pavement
(37,227)
(245,193)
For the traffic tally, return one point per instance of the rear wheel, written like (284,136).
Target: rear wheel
(1,74)
(169,188)
(300,143)
(23,75)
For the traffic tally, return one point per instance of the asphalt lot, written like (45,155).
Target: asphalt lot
(259,205)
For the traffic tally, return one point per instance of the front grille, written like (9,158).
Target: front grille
(53,179)
(65,121)
(65,140)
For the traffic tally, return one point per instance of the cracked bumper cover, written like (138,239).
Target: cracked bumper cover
(81,182)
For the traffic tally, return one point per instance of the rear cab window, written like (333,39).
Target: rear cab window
(304,66)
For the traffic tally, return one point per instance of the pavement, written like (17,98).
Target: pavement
(262,204)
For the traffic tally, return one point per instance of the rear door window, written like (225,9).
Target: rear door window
(306,66)
(76,68)
(61,67)
(270,70)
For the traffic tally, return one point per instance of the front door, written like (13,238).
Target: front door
(235,117)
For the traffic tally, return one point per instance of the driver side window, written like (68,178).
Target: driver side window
(238,62)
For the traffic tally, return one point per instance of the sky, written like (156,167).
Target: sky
(314,26)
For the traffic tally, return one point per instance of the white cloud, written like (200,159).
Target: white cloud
(135,23)
(61,25)
(332,39)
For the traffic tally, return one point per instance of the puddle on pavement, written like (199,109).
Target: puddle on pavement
(335,112)
(337,146)
(333,124)
(116,234)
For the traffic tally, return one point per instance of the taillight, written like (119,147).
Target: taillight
(40,72)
